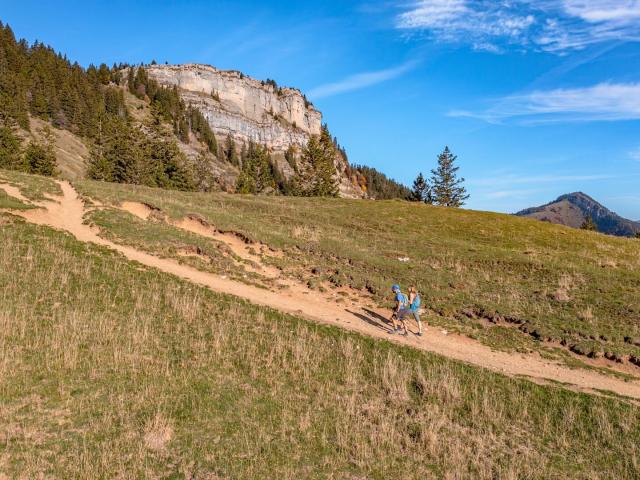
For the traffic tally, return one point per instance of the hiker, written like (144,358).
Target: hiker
(414,307)
(399,310)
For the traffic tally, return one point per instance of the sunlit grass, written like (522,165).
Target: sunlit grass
(563,285)
(112,370)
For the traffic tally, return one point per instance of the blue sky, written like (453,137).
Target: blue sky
(536,97)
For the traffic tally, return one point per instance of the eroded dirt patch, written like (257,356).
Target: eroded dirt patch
(14,192)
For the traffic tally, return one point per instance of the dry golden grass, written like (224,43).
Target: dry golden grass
(111,370)
(543,276)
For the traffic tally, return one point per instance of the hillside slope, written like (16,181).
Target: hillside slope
(135,130)
(574,208)
(507,282)
(244,110)
(155,377)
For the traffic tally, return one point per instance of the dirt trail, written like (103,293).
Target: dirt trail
(67,214)
(13,192)
(253,263)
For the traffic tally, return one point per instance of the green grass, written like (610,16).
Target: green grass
(33,187)
(113,370)
(560,284)
(11,203)
(162,239)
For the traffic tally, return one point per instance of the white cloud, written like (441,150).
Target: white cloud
(360,80)
(603,10)
(512,194)
(635,154)
(601,102)
(549,25)
(508,180)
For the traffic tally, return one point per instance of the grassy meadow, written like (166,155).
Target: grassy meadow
(112,370)
(510,282)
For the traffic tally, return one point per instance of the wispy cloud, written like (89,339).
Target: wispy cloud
(511,194)
(548,25)
(512,179)
(361,80)
(635,154)
(601,102)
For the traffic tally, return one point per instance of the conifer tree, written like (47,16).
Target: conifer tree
(318,176)
(421,191)
(230,151)
(10,157)
(326,183)
(589,224)
(40,157)
(204,178)
(446,187)
(257,172)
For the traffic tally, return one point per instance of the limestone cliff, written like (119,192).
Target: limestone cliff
(240,106)
(250,110)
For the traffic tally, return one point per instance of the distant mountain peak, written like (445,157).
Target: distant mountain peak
(572,209)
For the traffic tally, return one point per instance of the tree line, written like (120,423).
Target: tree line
(36,81)
(314,175)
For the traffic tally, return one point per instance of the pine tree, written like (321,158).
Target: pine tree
(10,157)
(318,174)
(40,157)
(230,151)
(204,178)
(257,174)
(589,224)
(421,191)
(326,182)
(446,187)
(166,162)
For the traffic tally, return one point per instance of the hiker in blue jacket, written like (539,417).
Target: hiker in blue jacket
(414,307)
(401,302)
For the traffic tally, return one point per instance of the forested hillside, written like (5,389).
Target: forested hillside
(37,82)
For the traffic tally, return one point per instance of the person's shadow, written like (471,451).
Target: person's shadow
(372,318)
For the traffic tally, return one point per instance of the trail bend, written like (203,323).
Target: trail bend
(67,213)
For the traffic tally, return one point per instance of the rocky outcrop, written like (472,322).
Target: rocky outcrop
(245,108)
(250,110)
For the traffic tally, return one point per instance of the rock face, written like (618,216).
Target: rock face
(240,106)
(573,209)
(249,110)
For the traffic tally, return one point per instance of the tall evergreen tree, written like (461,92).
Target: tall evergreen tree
(326,181)
(318,174)
(40,157)
(10,157)
(257,174)
(446,187)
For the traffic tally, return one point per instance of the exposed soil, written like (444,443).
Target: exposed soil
(626,364)
(67,213)
(13,192)
(193,224)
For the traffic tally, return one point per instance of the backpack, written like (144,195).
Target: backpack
(405,300)
(416,302)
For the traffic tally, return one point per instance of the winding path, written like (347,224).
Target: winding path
(67,213)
